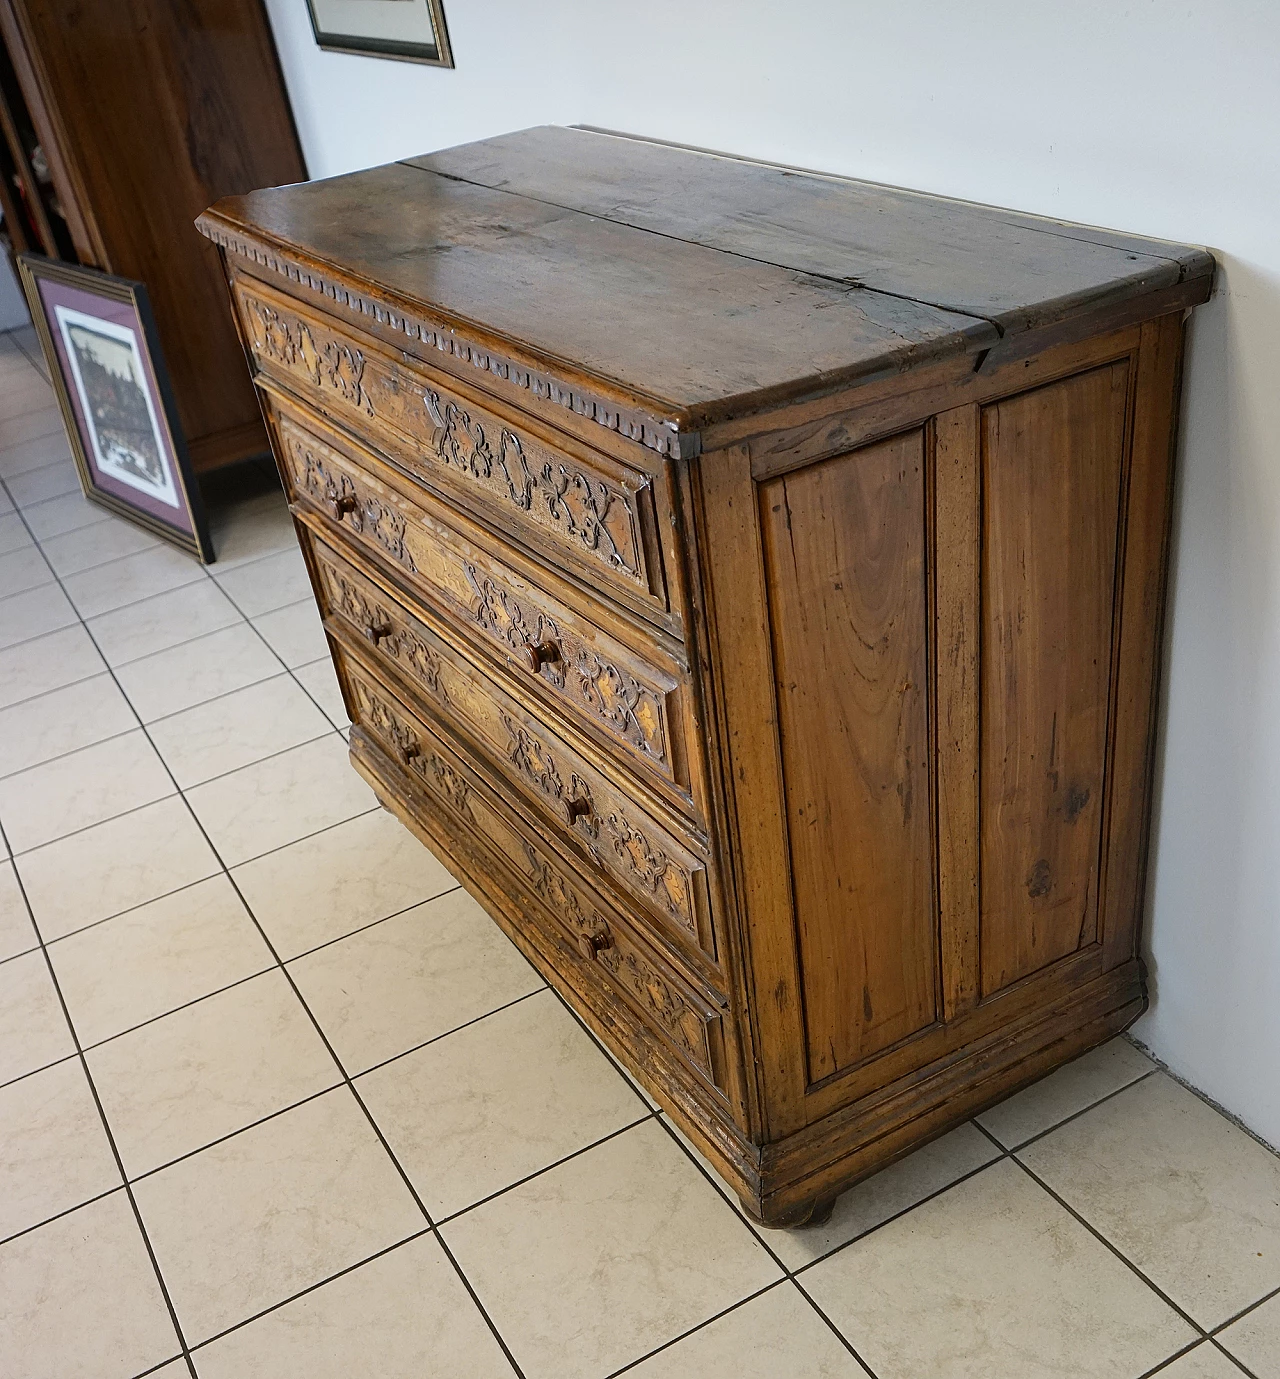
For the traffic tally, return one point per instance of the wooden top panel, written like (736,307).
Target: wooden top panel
(689,286)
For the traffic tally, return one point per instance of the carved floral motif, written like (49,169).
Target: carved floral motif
(291,344)
(655,872)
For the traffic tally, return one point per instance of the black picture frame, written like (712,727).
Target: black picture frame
(150,480)
(436,53)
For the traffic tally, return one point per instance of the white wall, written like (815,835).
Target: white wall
(1156,117)
(13,305)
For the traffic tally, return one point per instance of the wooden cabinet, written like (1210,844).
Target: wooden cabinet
(123,120)
(751,582)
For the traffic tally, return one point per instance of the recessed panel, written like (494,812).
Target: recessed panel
(845,545)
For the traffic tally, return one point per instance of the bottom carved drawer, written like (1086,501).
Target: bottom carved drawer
(593,934)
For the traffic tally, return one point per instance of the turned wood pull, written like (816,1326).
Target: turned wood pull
(576,809)
(590,945)
(339,507)
(375,632)
(407,752)
(539,654)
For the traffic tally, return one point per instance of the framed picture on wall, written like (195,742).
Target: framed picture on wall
(104,359)
(411,30)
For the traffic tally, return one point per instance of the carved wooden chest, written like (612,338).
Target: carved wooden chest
(751,583)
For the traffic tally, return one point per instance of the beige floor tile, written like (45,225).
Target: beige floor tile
(993,1280)
(480,1109)
(600,1260)
(237,729)
(16,932)
(411,978)
(44,421)
(1206,1361)
(81,1298)
(32,614)
(160,956)
(175,1369)
(196,671)
(23,569)
(277,801)
(1190,1199)
(1071,1089)
(114,866)
(80,789)
(295,633)
(266,584)
(39,485)
(320,681)
(252,1221)
(162,621)
(33,1029)
(47,663)
(37,730)
(54,1153)
(337,881)
(13,534)
(404,1315)
(71,512)
(5,505)
(131,579)
(28,393)
(35,451)
(250,529)
(889,1192)
(1255,1339)
(777,1334)
(92,546)
(208,1070)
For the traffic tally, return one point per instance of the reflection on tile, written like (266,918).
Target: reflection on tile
(32,614)
(404,1315)
(81,1297)
(80,789)
(16,934)
(196,671)
(33,1029)
(282,799)
(23,569)
(776,1334)
(96,545)
(209,1069)
(1003,1283)
(295,632)
(1255,1339)
(480,1109)
(72,512)
(54,1153)
(251,1221)
(37,730)
(337,881)
(47,663)
(37,485)
(894,1189)
(644,1248)
(131,579)
(320,681)
(237,729)
(266,584)
(1189,1198)
(411,978)
(160,956)
(1071,1088)
(114,866)
(162,621)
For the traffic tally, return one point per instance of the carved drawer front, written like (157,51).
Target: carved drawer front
(597,938)
(595,512)
(570,664)
(618,839)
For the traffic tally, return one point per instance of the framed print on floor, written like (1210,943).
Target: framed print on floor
(104,358)
(411,30)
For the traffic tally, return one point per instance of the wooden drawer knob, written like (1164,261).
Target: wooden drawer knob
(339,507)
(375,632)
(589,945)
(576,809)
(539,654)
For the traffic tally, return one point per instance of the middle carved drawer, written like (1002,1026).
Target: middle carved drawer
(616,835)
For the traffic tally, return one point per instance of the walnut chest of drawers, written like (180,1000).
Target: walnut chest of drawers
(751,583)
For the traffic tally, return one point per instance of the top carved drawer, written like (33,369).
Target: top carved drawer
(599,515)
